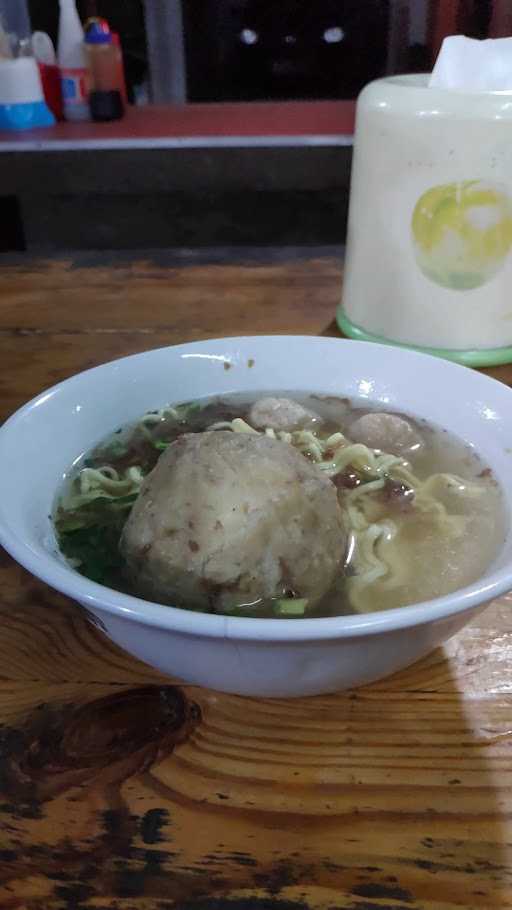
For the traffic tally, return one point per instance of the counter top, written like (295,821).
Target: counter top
(287,123)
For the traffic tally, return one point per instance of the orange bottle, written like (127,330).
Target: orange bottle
(120,64)
(106,91)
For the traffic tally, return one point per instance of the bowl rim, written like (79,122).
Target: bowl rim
(100,599)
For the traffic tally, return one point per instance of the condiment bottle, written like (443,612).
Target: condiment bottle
(106,96)
(72,63)
(120,66)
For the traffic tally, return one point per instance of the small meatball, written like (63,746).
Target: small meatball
(386,432)
(226,519)
(281,414)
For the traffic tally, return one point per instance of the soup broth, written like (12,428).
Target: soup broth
(421,515)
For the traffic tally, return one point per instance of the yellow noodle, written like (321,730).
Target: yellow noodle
(105,483)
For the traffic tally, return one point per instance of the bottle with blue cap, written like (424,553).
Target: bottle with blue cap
(105,95)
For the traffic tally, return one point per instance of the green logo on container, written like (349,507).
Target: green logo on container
(462,233)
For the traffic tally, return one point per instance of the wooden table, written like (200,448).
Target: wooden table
(119,790)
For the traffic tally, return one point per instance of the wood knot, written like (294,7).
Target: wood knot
(119,725)
(124,733)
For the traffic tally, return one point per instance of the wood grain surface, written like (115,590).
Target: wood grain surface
(120,790)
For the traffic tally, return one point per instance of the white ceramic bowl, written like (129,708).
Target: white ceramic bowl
(262,657)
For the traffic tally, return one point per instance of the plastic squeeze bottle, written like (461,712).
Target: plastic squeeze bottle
(106,89)
(72,63)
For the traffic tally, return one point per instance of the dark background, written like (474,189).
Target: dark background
(243,50)
(248,50)
(259,49)
(289,56)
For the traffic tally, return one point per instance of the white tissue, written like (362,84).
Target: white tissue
(481,66)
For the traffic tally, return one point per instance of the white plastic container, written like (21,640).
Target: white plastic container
(429,248)
(22,104)
(20,82)
(73,63)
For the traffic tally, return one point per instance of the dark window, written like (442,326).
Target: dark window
(260,49)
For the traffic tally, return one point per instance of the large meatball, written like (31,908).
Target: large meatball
(226,519)
(386,432)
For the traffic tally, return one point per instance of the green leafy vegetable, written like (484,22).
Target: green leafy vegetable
(95,550)
(89,536)
(295,606)
(102,510)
